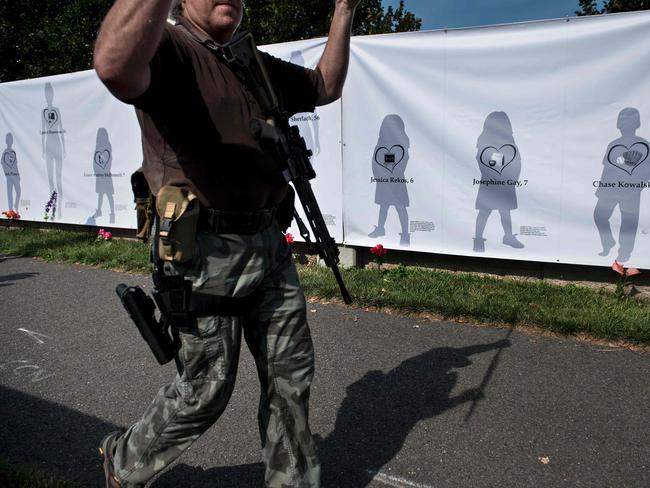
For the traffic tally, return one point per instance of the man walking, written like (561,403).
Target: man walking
(210,174)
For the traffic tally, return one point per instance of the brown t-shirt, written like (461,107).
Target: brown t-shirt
(195,120)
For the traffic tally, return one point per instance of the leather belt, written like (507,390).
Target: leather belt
(233,222)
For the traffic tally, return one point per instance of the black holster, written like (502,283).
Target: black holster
(172,295)
(141,308)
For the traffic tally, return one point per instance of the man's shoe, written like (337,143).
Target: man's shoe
(377,232)
(106,452)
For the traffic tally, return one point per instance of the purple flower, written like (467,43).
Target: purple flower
(50,205)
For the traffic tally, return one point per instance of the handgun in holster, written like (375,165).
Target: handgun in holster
(141,308)
(174,234)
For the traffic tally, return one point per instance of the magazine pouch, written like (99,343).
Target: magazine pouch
(178,210)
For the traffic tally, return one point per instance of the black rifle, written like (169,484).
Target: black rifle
(285,144)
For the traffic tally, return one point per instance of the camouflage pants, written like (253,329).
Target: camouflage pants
(278,337)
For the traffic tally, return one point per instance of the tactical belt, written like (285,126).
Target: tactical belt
(180,305)
(231,222)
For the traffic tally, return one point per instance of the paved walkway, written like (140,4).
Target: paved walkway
(397,402)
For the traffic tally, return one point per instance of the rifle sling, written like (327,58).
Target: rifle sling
(211,46)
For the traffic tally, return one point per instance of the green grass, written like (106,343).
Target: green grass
(76,247)
(15,476)
(566,309)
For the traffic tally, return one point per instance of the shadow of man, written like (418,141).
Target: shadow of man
(381,409)
(6,280)
(377,414)
(49,437)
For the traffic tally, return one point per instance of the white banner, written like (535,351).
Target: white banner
(523,141)
(67,134)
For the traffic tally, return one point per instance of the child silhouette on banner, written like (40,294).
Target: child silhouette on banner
(498,160)
(53,143)
(626,172)
(10,169)
(390,158)
(102,161)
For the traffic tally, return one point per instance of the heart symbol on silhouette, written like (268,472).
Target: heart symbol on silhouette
(628,158)
(51,116)
(9,158)
(498,159)
(389,158)
(102,158)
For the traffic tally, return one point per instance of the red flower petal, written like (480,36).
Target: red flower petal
(618,267)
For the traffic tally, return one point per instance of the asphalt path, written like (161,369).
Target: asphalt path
(396,402)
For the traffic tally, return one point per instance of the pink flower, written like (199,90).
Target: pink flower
(624,281)
(289,237)
(618,267)
(103,235)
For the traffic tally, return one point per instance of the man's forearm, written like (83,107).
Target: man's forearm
(333,64)
(127,41)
